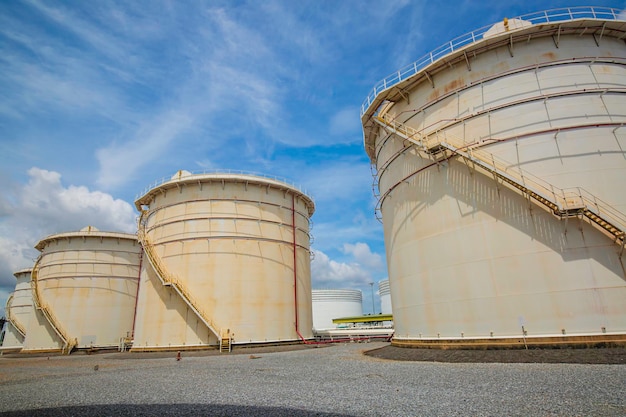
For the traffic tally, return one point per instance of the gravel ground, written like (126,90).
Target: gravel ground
(334,380)
(564,355)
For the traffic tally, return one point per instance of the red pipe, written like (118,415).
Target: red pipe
(137,294)
(295,259)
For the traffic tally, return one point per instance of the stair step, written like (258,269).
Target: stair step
(482,159)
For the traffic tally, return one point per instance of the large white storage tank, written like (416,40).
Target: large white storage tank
(18,309)
(329,304)
(500,163)
(385,297)
(84,287)
(227,262)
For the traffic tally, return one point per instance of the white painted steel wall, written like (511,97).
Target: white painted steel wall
(228,239)
(385,297)
(471,258)
(88,279)
(19,307)
(333,304)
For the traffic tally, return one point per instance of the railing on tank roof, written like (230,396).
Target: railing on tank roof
(547,16)
(164,180)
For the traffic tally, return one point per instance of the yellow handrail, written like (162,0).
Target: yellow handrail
(168,279)
(563,202)
(14,322)
(68,342)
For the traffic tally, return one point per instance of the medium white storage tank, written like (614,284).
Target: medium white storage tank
(333,304)
(84,287)
(18,309)
(385,297)
(227,262)
(500,163)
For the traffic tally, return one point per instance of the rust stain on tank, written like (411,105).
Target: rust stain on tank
(454,85)
(502,66)
(477,75)
(548,56)
(447,88)
(604,69)
(435,94)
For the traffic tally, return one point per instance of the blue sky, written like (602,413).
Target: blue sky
(100,99)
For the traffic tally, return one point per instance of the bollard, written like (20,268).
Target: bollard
(178,356)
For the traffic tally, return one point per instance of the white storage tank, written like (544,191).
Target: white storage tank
(333,304)
(227,262)
(84,287)
(501,159)
(385,297)
(18,310)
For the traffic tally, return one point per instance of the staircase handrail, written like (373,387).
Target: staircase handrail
(68,342)
(168,279)
(564,200)
(11,319)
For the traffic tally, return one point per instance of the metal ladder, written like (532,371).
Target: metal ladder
(562,202)
(68,342)
(226,342)
(169,280)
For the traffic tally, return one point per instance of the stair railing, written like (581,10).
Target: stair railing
(11,319)
(68,342)
(563,202)
(168,279)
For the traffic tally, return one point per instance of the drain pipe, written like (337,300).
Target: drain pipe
(295,262)
(132,334)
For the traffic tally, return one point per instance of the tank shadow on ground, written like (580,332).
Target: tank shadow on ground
(604,356)
(165,410)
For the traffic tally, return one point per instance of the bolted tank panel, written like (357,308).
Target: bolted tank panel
(499,168)
(228,241)
(334,304)
(18,309)
(84,288)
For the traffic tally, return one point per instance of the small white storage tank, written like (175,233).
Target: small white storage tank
(84,287)
(385,297)
(18,308)
(501,159)
(227,262)
(334,304)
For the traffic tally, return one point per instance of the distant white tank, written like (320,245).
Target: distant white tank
(501,166)
(334,304)
(84,287)
(18,309)
(385,297)
(227,262)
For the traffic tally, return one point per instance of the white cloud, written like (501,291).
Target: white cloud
(46,203)
(360,270)
(364,256)
(119,162)
(44,206)
(327,273)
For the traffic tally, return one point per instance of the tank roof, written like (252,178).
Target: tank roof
(22,271)
(88,231)
(337,295)
(602,21)
(186,177)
